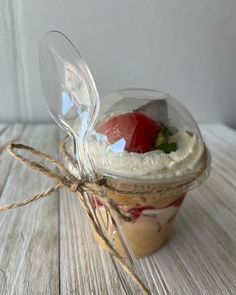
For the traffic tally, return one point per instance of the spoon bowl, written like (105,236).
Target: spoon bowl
(70,91)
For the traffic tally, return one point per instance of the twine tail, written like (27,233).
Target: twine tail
(62,175)
(24,202)
(67,155)
(111,250)
(133,275)
(65,179)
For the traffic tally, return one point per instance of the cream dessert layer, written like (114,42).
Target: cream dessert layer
(111,159)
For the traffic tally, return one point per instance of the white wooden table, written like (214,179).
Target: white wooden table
(47,247)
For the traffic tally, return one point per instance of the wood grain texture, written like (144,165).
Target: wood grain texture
(38,258)
(2,127)
(29,236)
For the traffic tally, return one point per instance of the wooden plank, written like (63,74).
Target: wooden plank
(3,127)
(29,236)
(198,248)
(223,166)
(8,133)
(217,249)
(221,142)
(175,277)
(220,131)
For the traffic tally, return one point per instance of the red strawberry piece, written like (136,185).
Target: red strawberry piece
(179,202)
(97,202)
(137,129)
(176,203)
(137,212)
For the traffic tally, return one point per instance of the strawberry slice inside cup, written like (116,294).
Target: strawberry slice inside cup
(137,129)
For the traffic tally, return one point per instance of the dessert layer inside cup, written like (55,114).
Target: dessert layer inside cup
(149,227)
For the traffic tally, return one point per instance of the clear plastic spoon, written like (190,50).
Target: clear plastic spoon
(73,101)
(69,89)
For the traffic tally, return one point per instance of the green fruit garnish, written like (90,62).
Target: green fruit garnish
(168,147)
(161,138)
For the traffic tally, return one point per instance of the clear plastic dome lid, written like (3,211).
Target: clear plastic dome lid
(146,136)
(133,134)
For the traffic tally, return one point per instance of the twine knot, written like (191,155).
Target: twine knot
(76,186)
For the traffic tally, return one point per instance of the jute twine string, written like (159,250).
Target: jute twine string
(78,187)
(97,186)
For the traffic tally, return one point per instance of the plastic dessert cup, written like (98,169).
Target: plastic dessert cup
(153,215)
(150,150)
(153,209)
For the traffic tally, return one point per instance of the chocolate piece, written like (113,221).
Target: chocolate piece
(156,109)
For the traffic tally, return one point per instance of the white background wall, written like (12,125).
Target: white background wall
(186,48)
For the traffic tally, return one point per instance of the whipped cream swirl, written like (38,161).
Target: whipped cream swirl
(151,165)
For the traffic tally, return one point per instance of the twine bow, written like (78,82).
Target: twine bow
(78,187)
